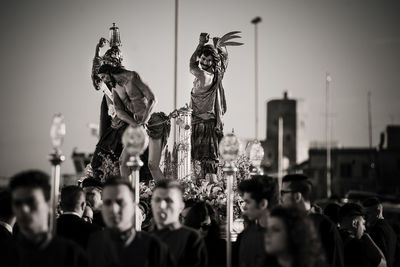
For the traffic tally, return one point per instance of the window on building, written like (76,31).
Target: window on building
(346,170)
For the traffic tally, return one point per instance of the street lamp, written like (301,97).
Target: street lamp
(255,21)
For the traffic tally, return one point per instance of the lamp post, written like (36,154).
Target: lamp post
(229,150)
(255,21)
(328,138)
(57,133)
(135,141)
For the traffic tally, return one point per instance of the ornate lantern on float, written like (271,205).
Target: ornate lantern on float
(115,39)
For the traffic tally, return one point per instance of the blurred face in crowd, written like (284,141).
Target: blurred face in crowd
(31,210)
(93,197)
(166,205)
(372,215)
(118,208)
(359,226)
(275,239)
(287,198)
(205,226)
(251,209)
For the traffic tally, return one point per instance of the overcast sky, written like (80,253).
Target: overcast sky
(47,49)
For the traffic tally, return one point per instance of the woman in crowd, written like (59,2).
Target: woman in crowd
(203,218)
(291,240)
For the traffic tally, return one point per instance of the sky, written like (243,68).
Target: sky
(47,49)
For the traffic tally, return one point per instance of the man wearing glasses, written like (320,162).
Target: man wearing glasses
(296,192)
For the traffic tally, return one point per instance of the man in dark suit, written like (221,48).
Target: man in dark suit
(296,191)
(379,229)
(36,245)
(70,224)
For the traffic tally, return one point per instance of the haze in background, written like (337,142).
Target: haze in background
(47,49)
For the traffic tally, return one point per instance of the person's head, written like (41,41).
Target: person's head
(259,194)
(30,191)
(6,213)
(290,232)
(332,211)
(189,203)
(296,191)
(373,210)
(106,73)
(351,217)
(92,189)
(73,199)
(208,57)
(202,217)
(167,203)
(118,209)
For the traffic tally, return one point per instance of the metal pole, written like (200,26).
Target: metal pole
(369,120)
(280,152)
(135,163)
(255,21)
(56,159)
(328,140)
(176,63)
(229,170)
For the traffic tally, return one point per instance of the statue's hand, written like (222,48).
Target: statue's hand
(204,37)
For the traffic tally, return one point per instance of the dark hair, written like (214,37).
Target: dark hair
(299,183)
(32,179)
(260,187)
(168,184)
(370,202)
(350,210)
(6,212)
(198,213)
(70,196)
(118,180)
(332,211)
(302,238)
(109,69)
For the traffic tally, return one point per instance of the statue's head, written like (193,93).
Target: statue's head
(209,57)
(113,56)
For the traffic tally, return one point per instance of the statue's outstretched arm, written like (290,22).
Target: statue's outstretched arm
(97,61)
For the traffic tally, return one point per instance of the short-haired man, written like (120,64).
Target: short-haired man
(30,192)
(186,245)
(379,230)
(259,194)
(119,244)
(70,224)
(359,249)
(296,192)
(92,188)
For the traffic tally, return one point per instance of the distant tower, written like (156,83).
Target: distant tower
(285,108)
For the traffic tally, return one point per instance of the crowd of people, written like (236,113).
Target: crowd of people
(95,227)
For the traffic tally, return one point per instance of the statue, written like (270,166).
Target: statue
(208,64)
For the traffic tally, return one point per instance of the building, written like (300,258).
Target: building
(286,109)
(367,169)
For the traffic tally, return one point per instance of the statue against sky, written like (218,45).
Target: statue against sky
(208,64)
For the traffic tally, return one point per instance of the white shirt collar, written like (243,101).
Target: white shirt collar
(7,226)
(72,212)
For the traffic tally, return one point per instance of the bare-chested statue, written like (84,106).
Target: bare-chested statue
(208,64)
(132,101)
